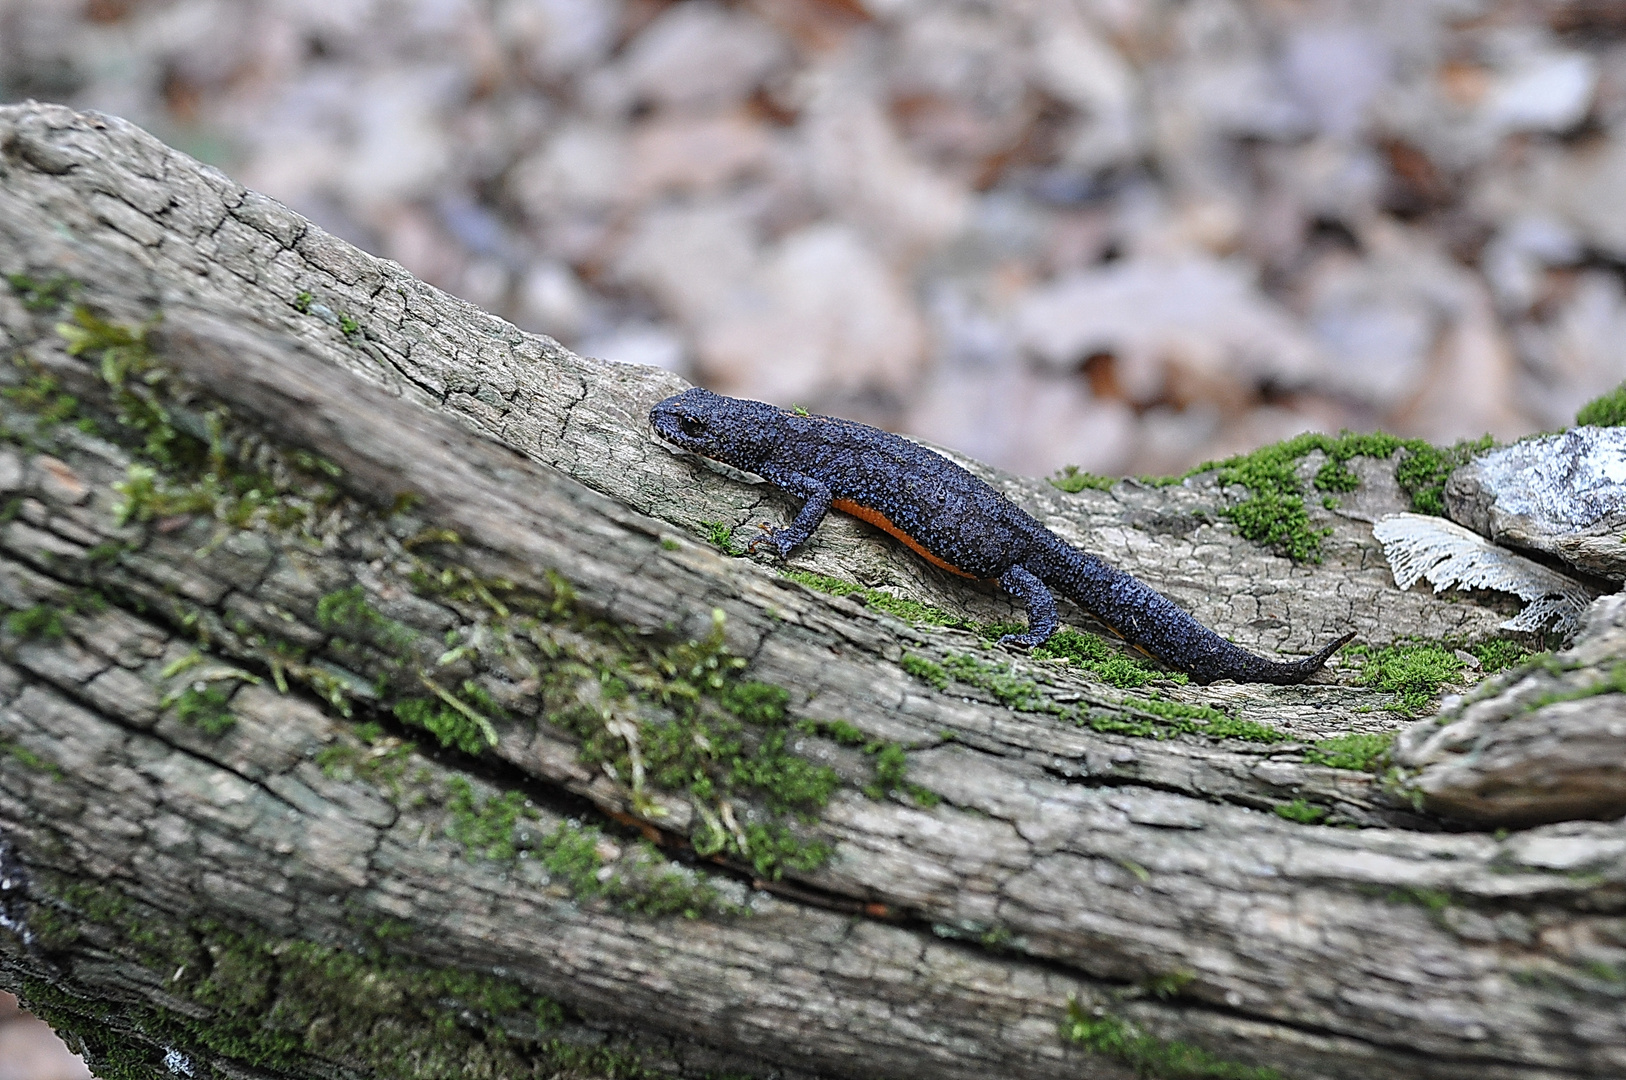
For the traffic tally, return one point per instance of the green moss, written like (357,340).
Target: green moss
(348,611)
(669,544)
(1008,688)
(41,296)
(1610,973)
(838,730)
(302,302)
(1113,1037)
(1423,472)
(43,396)
(1095,655)
(1273,514)
(1087,650)
(378,759)
(1072,479)
(40,622)
(1606,411)
(890,760)
(1169,985)
(691,725)
(1498,654)
(1302,812)
(283,1005)
(1178,716)
(450,726)
(1433,900)
(29,760)
(913,611)
(1611,681)
(485,828)
(910,611)
(1414,672)
(207,707)
(927,671)
(774,848)
(1165,717)
(720,535)
(348,324)
(1360,751)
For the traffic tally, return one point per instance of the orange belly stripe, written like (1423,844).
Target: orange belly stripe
(884,523)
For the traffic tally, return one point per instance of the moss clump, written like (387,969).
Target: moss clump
(1072,479)
(1161,718)
(375,757)
(41,622)
(348,611)
(1360,751)
(43,396)
(1215,724)
(1273,514)
(1304,813)
(296,1006)
(1413,671)
(927,671)
(1606,411)
(909,611)
(187,463)
(1498,654)
(720,534)
(41,296)
(29,760)
(891,775)
(1612,681)
(451,726)
(1089,651)
(1434,900)
(1423,472)
(1008,688)
(1092,653)
(207,707)
(485,828)
(705,732)
(1116,1038)
(891,761)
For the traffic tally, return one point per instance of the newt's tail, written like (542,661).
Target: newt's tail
(1154,622)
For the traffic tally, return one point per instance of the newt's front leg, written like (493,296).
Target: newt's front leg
(817,495)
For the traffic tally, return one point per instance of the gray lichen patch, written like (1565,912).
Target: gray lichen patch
(1561,494)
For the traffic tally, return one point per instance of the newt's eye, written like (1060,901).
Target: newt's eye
(690,425)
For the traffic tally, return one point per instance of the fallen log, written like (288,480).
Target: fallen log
(374,704)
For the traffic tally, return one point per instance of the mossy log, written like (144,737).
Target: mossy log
(372,704)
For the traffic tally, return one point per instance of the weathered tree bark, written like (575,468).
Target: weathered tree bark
(299,783)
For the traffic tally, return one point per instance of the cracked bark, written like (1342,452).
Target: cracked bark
(1092,864)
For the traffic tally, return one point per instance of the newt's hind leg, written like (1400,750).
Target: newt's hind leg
(1021,583)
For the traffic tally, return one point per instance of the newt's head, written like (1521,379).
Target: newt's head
(731,430)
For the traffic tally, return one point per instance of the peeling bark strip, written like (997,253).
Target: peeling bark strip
(264,712)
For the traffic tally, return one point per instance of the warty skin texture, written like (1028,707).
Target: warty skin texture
(954,520)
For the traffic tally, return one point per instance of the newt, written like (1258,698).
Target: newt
(954,521)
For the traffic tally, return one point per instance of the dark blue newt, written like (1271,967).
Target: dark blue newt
(953,520)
